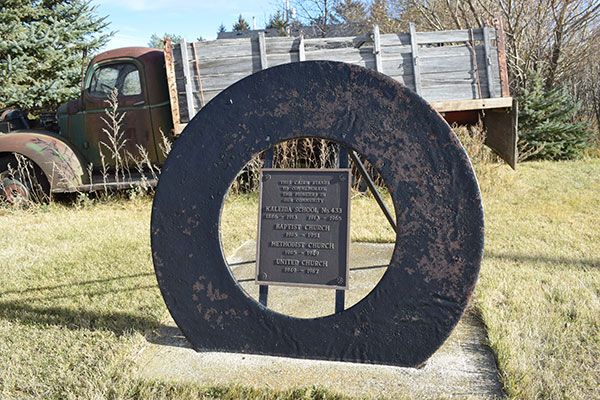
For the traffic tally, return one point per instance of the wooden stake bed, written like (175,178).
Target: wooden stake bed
(456,71)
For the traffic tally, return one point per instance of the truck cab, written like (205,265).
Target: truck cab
(76,156)
(138,76)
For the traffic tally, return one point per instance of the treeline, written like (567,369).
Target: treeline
(553,53)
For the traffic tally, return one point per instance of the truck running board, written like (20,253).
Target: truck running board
(101,185)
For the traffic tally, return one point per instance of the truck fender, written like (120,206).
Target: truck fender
(54,156)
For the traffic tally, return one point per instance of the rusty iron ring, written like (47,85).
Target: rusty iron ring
(439,243)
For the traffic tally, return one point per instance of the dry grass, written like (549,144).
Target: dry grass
(78,291)
(539,290)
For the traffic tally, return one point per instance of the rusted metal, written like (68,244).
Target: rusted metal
(439,242)
(365,174)
(475,64)
(506,122)
(12,190)
(501,44)
(171,82)
(59,163)
(146,113)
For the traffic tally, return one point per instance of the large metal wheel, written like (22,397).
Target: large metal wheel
(439,242)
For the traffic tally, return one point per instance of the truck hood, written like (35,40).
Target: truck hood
(71,107)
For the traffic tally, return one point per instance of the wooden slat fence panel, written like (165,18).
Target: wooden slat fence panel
(444,61)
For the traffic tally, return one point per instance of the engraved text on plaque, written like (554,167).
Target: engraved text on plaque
(303,227)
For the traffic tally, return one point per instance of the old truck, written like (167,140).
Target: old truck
(461,73)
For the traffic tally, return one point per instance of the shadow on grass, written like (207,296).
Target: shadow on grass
(169,336)
(27,306)
(86,293)
(75,319)
(539,258)
(70,285)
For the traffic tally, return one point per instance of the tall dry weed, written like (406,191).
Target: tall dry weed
(301,153)
(489,168)
(22,173)
(115,135)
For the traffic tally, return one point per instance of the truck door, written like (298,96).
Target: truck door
(136,126)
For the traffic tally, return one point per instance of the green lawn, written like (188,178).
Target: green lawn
(78,291)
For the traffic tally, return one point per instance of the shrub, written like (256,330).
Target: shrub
(546,122)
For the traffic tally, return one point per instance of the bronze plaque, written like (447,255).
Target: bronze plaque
(303,227)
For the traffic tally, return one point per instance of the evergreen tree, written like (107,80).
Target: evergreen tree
(156,42)
(546,121)
(241,25)
(42,46)
(221,29)
(278,22)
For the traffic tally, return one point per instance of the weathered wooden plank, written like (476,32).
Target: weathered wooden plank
(301,53)
(462,50)
(450,92)
(180,83)
(447,79)
(355,56)
(191,111)
(501,52)
(477,104)
(208,95)
(278,59)
(262,50)
(447,88)
(230,65)
(397,67)
(487,46)
(281,45)
(451,36)
(395,40)
(198,76)
(433,62)
(396,52)
(415,58)
(224,42)
(214,49)
(212,82)
(183,114)
(377,49)
(449,64)
(336,43)
(171,83)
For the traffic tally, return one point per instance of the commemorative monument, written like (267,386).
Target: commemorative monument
(304,218)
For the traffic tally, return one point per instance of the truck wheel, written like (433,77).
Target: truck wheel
(23,181)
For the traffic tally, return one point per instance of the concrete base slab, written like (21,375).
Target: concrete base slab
(463,367)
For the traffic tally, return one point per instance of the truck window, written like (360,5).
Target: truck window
(131,84)
(125,77)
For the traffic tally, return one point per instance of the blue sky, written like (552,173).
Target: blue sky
(136,20)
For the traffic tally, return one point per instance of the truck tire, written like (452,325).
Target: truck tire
(22,182)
